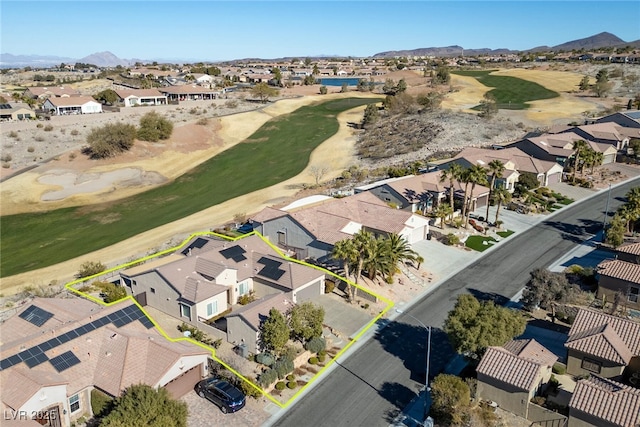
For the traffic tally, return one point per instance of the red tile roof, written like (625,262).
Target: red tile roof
(623,270)
(607,400)
(630,248)
(604,336)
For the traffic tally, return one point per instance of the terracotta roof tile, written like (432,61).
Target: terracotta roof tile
(531,350)
(607,400)
(601,341)
(623,270)
(630,248)
(504,366)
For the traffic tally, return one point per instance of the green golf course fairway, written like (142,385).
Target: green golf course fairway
(277,151)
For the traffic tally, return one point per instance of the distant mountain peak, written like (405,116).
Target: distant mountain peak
(103,59)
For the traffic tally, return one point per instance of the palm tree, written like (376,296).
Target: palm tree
(476,175)
(453,173)
(464,177)
(496,167)
(345,251)
(502,197)
(579,146)
(442,212)
(378,260)
(364,243)
(396,250)
(597,160)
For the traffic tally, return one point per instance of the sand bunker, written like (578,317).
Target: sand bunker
(74,183)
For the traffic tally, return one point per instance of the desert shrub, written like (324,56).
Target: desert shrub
(231,103)
(248,389)
(292,384)
(72,156)
(13,134)
(265,359)
(203,121)
(283,367)
(63,131)
(39,125)
(48,128)
(321,358)
(39,138)
(90,268)
(290,377)
(31,149)
(290,352)
(154,127)
(451,239)
(280,385)
(75,132)
(315,345)
(313,360)
(6,165)
(110,140)
(247,298)
(110,292)
(267,377)
(322,353)
(6,157)
(100,403)
(329,286)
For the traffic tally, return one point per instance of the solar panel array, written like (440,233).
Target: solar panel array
(5,106)
(35,315)
(235,253)
(35,355)
(64,361)
(271,269)
(196,244)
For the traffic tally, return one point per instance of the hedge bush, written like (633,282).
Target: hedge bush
(329,286)
(280,385)
(283,367)
(559,368)
(292,384)
(291,377)
(100,403)
(265,359)
(313,360)
(154,127)
(315,345)
(268,377)
(321,358)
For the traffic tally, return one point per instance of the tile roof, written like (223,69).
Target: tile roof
(629,248)
(604,336)
(187,89)
(20,384)
(623,270)
(124,93)
(71,101)
(607,400)
(531,350)
(606,130)
(254,313)
(509,368)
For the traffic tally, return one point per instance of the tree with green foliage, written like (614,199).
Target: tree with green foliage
(472,325)
(143,406)
(277,75)
(579,147)
(602,76)
(501,196)
(615,231)
(263,92)
(363,86)
(154,127)
(442,75)
(110,292)
(402,86)
(488,107)
(452,174)
(545,288)
(476,175)
(345,251)
(450,398)
(110,140)
(601,89)
(323,90)
(430,101)
(274,332)
(634,144)
(305,321)
(584,83)
(344,88)
(107,96)
(90,268)
(309,80)
(443,211)
(371,115)
(495,168)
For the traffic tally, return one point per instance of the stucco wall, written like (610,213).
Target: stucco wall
(608,286)
(201,307)
(574,366)
(238,330)
(165,297)
(506,396)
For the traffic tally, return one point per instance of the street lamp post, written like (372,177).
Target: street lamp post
(606,214)
(427,389)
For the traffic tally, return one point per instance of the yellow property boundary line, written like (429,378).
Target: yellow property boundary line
(353,340)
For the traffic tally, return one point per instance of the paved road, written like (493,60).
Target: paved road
(386,372)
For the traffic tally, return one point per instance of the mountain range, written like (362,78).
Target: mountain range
(108,59)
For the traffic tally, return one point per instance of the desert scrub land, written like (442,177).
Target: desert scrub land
(279,150)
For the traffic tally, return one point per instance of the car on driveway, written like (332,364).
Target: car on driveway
(224,395)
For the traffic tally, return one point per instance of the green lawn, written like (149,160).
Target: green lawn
(505,233)
(510,93)
(277,151)
(477,242)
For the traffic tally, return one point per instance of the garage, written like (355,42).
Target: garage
(184,383)
(310,292)
(554,178)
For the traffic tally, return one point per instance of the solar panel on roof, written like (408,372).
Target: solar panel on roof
(270,262)
(271,272)
(5,106)
(196,244)
(4,364)
(147,322)
(35,315)
(64,338)
(64,361)
(235,253)
(118,323)
(36,360)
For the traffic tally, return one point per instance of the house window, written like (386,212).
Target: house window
(633,294)
(212,308)
(153,290)
(591,365)
(185,311)
(74,403)
(243,288)
(282,237)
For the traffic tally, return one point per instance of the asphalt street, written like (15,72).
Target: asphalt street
(376,381)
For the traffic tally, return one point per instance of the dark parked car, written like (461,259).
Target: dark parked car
(227,397)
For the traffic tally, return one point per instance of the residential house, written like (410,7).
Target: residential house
(601,402)
(55,351)
(189,93)
(629,252)
(629,119)
(618,277)
(206,279)
(513,374)
(606,133)
(602,344)
(202,79)
(16,111)
(136,97)
(550,147)
(72,105)
(39,92)
(311,231)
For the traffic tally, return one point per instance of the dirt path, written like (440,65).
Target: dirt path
(336,154)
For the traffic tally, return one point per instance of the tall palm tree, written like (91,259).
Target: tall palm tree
(378,260)
(597,160)
(579,146)
(464,177)
(364,243)
(502,197)
(453,173)
(476,175)
(345,251)
(496,168)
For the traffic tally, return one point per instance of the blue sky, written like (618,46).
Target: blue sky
(221,30)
